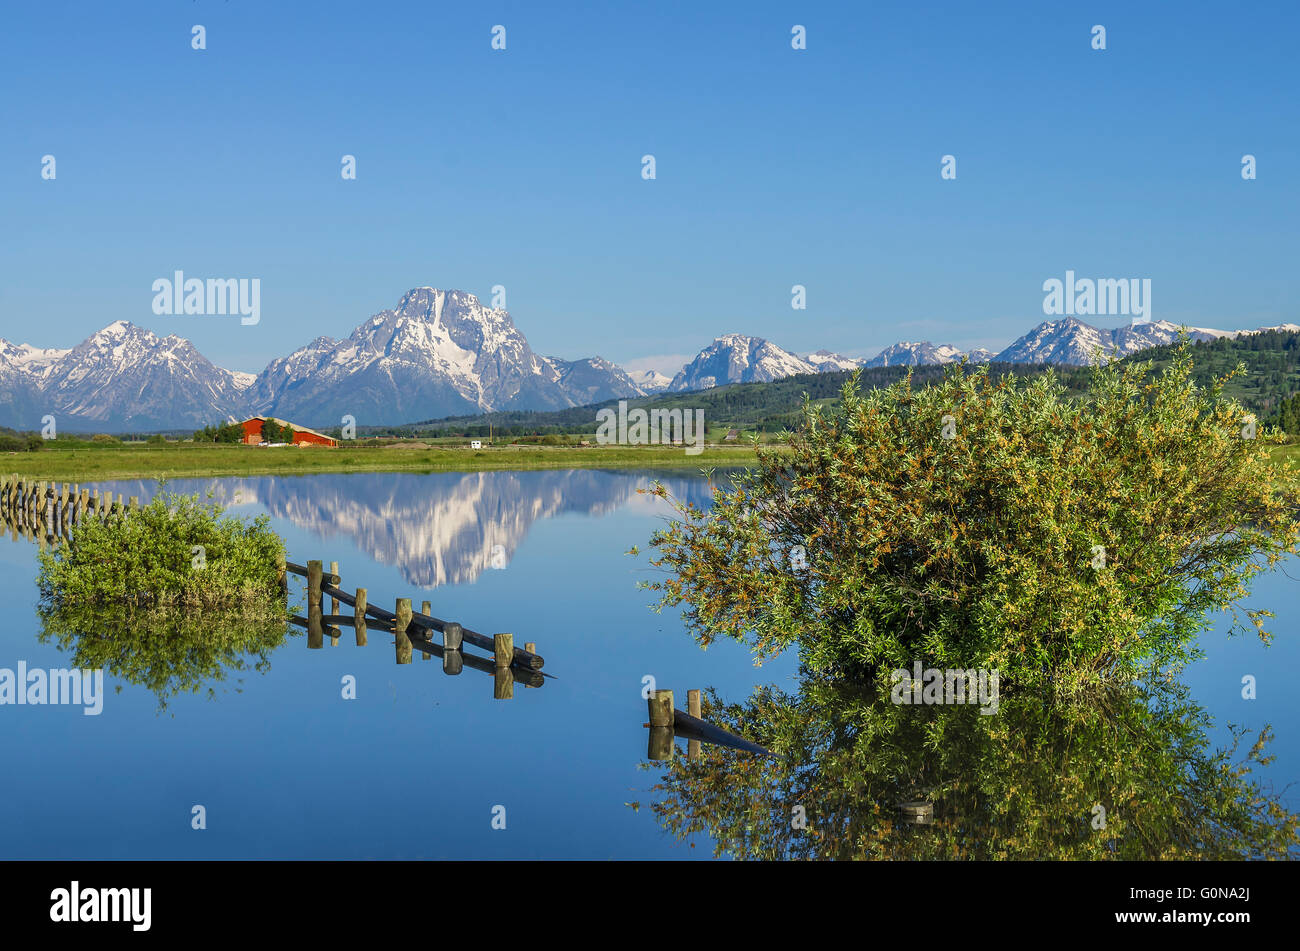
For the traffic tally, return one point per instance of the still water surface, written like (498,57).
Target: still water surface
(415,766)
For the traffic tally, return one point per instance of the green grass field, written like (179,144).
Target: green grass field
(81,464)
(1289,453)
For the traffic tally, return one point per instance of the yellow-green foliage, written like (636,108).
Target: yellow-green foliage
(173,597)
(1128,775)
(176,551)
(959,525)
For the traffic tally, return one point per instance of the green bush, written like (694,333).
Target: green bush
(20,442)
(177,551)
(1022,785)
(167,650)
(959,525)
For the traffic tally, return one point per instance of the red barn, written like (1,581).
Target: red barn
(302,436)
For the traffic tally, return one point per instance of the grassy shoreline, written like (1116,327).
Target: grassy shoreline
(180,461)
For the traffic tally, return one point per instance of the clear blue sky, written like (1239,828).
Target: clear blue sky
(522,168)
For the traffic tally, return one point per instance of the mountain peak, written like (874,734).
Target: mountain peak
(1070,341)
(737,358)
(915,353)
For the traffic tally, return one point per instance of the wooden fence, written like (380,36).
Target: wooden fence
(412,631)
(47,511)
(667,723)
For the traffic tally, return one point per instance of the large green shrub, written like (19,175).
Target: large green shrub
(982,522)
(177,551)
(171,597)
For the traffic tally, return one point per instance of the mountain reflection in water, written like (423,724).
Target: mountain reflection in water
(438,528)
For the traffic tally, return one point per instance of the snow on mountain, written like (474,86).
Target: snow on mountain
(1285,328)
(735,358)
(651,381)
(432,539)
(1071,341)
(285,374)
(979,355)
(439,353)
(126,377)
(23,368)
(827,362)
(23,358)
(907,353)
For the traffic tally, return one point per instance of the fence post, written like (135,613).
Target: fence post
(531,647)
(315,636)
(426,609)
(401,642)
(453,661)
(660,743)
(503,684)
(334,602)
(503,648)
(695,709)
(660,703)
(359,617)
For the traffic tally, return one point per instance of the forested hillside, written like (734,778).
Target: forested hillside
(1270,386)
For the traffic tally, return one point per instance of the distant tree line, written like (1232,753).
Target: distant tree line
(222,432)
(272,432)
(1287,417)
(13,441)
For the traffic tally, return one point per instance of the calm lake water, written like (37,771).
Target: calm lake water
(417,764)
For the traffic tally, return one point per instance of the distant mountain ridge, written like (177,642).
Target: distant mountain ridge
(442,353)
(736,358)
(435,354)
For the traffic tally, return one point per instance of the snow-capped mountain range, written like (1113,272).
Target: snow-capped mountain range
(439,353)
(735,358)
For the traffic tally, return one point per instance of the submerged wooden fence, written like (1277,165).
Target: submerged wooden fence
(412,631)
(667,723)
(47,511)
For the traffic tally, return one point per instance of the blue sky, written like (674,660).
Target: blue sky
(522,167)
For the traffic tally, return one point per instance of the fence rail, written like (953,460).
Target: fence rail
(667,723)
(48,511)
(411,630)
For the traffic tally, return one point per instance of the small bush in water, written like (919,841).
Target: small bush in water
(177,551)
